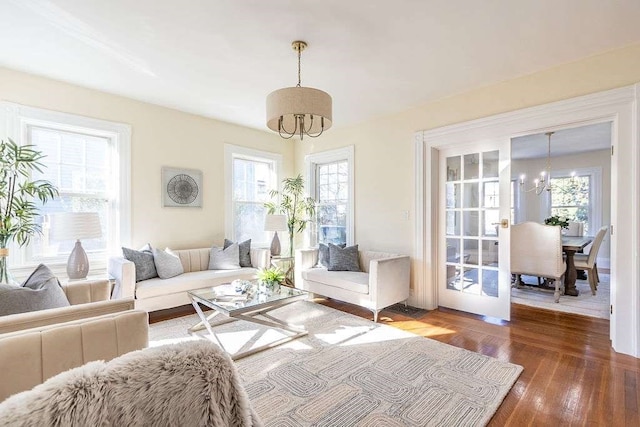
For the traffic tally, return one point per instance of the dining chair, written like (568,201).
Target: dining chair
(575,229)
(589,262)
(536,250)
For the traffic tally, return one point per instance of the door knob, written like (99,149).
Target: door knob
(504,223)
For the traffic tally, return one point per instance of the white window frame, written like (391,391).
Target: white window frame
(595,194)
(232,152)
(311,163)
(15,122)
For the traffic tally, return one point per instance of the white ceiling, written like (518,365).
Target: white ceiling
(220,58)
(563,142)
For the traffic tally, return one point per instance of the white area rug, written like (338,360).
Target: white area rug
(352,372)
(585,303)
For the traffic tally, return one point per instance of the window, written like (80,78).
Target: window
(577,198)
(570,198)
(331,185)
(88,161)
(251,175)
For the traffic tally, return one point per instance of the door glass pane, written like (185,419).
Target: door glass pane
(470,219)
(490,164)
(453,223)
(454,278)
(453,250)
(470,282)
(471,195)
(489,223)
(490,252)
(471,166)
(453,195)
(471,253)
(453,168)
(490,282)
(491,191)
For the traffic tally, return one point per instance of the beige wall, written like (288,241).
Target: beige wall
(384,148)
(160,137)
(532,203)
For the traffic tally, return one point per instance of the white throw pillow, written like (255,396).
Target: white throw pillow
(225,259)
(167,263)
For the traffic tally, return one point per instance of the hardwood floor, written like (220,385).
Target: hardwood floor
(571,375)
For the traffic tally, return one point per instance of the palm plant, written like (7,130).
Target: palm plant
(298,209)
(18,210)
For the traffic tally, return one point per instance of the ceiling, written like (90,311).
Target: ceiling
(563,142)
(220,58)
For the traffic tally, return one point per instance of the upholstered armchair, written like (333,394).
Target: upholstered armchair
(37,345)
(536,250)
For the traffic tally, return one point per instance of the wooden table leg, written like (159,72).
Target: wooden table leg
(570,275)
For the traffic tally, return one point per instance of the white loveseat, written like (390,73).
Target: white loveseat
(383,281)
(157,294)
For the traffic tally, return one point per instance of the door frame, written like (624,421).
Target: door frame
(618,106)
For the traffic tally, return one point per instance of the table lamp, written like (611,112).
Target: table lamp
(76,226)
(275,223)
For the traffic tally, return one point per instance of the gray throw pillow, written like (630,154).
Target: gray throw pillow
(244,251)
(224,259)
(143,260)
(40,291)
(323,254)
(343,259)
(167,263)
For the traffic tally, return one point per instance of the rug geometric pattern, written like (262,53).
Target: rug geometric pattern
(352,372)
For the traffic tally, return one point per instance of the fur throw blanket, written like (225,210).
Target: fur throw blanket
(186,384)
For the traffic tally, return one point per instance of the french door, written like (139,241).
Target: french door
(473,228)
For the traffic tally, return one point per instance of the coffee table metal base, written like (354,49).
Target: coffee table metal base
(251,316)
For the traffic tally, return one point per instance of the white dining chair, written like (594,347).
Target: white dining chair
(536,250)
(575,229)
(589,262)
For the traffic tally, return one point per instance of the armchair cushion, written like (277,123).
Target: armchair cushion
(343,259)
(40,291)
(350,280)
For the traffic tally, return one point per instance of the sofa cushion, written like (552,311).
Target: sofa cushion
(40,291)
(167,263)
(350,280)
(189,281)
(244,251)
(143,260)
(225,258)
(323,254)
(343,259)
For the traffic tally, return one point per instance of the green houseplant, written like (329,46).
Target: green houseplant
(298,209)
(557,220)
(271,275)
(18,210)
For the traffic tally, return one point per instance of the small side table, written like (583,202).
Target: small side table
(286,264)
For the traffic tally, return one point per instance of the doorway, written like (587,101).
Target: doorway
(576,163)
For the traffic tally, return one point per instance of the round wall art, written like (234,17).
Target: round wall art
(181,187)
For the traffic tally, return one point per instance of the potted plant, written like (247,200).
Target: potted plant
(298,209)
(271,276)
(557,220)
(18,210)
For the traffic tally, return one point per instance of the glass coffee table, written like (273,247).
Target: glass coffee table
(250,301)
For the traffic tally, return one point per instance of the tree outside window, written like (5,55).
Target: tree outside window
(571,199)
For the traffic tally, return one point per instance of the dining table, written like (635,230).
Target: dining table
(571,245)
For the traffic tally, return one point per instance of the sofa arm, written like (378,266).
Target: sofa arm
(87,291)
(30,357)
(304,259)
(43,318)
(260,257)
(124,272)
(389,280)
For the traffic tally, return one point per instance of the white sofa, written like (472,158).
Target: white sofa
(158,294)
(383,281)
